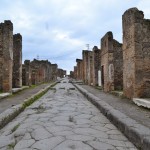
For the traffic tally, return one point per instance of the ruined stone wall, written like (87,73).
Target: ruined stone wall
(107,62)
(75,72)
(1,57)
(79,69)
(26,73)
(54,72)
(96,64)
(60,73)
(71,74)
(86,71)
(17,61)
(136,54)
(6,55)
(112,63)
(90,68)
(118,65)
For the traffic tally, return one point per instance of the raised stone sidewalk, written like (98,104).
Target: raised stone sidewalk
(139,134)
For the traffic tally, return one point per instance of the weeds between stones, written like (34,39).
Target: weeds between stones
(63,88)
(11,146)
(15,128)
(71,119)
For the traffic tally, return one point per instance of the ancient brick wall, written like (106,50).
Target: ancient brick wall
(17,61)
(1,56)
(75,72)
(60,73)
(136,54)
(26,73)
(96,64)
(6,55)
(86,72)
(107,62)
(54,68)
(112,63)
(79,69)
(90,68)
(71,74)
(118,65)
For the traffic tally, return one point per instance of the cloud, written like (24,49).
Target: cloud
(58,30)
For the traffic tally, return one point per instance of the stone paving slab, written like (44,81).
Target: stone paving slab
(62,119)
(137,133)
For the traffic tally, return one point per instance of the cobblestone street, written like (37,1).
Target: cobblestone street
(63,119)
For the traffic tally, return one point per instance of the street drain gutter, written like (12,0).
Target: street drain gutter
(138,134)
(9,114)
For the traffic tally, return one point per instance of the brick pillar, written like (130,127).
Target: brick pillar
(1,56)
(79,69)
(17,61)
(136,54)
(86,73)
(26,73)
(6,55)
(90,68)
(96,64)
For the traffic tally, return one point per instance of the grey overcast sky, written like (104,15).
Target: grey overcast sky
(58,30)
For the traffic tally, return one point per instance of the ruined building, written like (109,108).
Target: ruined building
(6,56)
(86,55)
(136,54)
(26,73)
(96,66)
(61,73)
(17,61)
(75,72)
(54,72)
(111,63)
(79,69)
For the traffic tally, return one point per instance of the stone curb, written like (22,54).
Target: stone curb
(9,114)
(138,134)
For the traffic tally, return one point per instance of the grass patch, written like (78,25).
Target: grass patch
(71,119)
(11,146)
(71,88)
(15,128)
(63,88)
(98,87)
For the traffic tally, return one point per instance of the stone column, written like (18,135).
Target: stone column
(17,61)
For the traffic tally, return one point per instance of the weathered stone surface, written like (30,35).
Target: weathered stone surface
(136,54)
(26,73)
(48,143)
(17,61)
(24,144)
(96,64)
(112,63)
(6,55)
